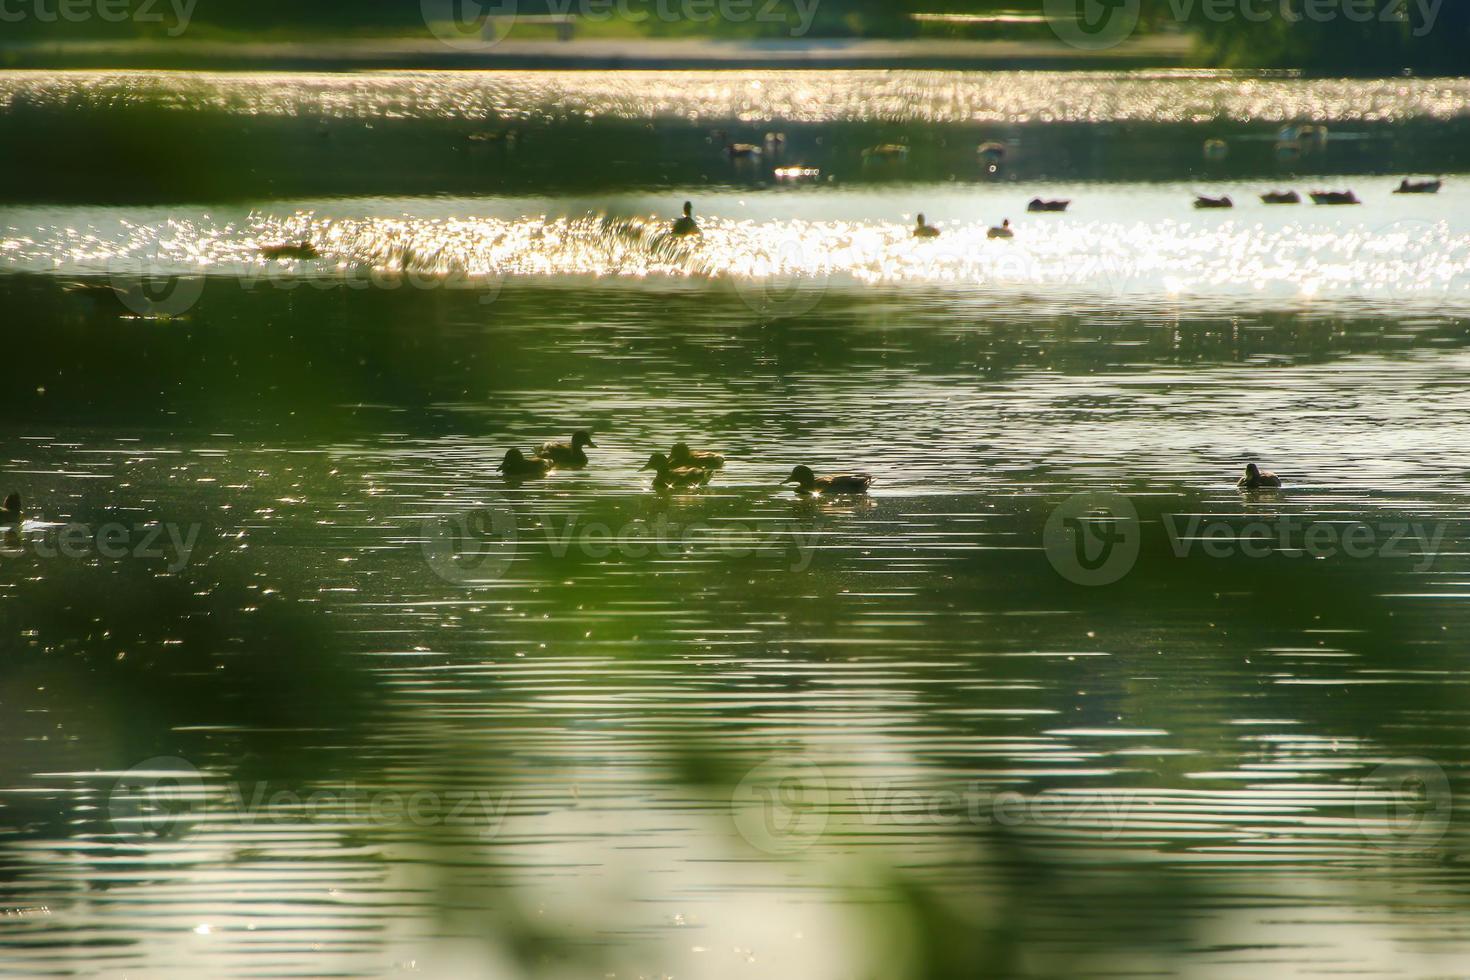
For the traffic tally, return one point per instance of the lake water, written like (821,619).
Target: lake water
(298,685)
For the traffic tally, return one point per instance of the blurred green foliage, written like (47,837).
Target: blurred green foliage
(1339,36)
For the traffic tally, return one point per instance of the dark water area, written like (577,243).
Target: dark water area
(297,684)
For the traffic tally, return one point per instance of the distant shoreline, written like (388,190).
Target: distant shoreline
(1159,51)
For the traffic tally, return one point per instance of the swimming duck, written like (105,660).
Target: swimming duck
(1407,186)
(1334,197)
(1258,479)
(682,456)
(887,152)
(1313,136)
(10,513)
(742,151)
(923,230)
(1037,204)
(1281,197)
(514,464)
(567,455)
(808,482)
(1205,201)
(290,250)
(1003,230)
(667,475)
(686,225)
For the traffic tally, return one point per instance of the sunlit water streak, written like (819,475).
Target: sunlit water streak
(762,96)
(1125,245)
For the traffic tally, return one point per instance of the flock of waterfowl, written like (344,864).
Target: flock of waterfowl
(686,225)
(687,469)
(681,469)
(1406,186)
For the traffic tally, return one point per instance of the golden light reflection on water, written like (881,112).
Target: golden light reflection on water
(1126,245)
(757,97)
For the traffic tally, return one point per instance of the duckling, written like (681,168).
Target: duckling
(1037,204)
(667,475)
(514,464)
(1204,201)
(1334,197)
(1407,186)
(923,230)
(808,482)
(10,515)
(290,250)
(742,151)
(567,455)
(1258,479)
(1281,197)
(686,225)
(1003,230)
(682,456)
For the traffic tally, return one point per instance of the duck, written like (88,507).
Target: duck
(1281,197)
(10,514)
(667,475)
(892,152)
(686,224)
(1003,230)
(1313,136)
(1037,204)
(290,250)
(514,464)
(1258,479)
(1334,197)
(1204,201)
(682,456)
(1407,186)
(742,151)
(567,455)
(924,230)
(808,482)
